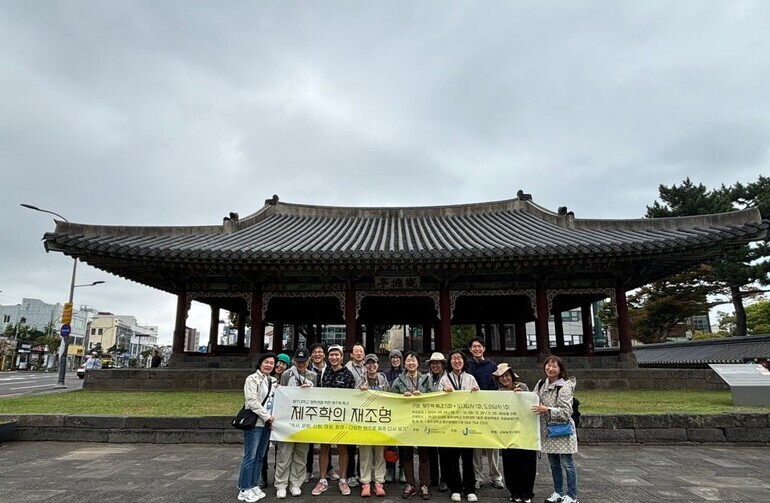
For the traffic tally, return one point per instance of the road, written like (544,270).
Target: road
(25,383)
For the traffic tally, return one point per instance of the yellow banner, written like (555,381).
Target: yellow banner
(494,419)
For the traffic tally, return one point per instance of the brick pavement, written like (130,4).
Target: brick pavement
(66,472)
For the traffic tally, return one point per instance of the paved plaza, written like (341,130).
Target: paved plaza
(64,472)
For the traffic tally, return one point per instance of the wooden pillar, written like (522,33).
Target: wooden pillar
(588,329)
(541,323)
(278,337)
(241,330)
(214,330)
(427,337)
(257,342)
(558,325)
(180,322)
(480,331)
(624,323)
(319,330)
(445,323)
(520,329)
(350,317)
(488,336)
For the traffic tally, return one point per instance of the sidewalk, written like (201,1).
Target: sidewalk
(65,472)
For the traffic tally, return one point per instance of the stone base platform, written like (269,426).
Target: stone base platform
(232,379)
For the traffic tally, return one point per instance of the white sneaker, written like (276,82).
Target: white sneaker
(353,481)
(295,491)
(259,493)
(472,497)
(456,497)
(554,498)
(280,494)
(247,495)
(568,499)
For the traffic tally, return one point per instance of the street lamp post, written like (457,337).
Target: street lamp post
(65,340)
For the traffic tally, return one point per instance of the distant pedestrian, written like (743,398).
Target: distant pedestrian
(156,360)
(93,362)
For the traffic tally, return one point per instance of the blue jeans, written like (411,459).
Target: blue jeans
(559,461)
(255,443)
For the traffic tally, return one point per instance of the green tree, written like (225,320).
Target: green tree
(657,308)
(757,318)
(738,271)
(461,335)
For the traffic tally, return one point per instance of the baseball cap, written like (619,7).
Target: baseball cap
(301,355)
(373,357)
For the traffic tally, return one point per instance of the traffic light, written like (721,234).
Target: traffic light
(66,314)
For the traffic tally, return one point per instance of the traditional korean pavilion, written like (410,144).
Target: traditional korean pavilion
(504,262)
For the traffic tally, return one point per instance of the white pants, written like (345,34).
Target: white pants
(290,461)
(493,458)
(372,457)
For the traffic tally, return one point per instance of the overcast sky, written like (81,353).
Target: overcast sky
(178,112)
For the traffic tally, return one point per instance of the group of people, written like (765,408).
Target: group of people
(514,469)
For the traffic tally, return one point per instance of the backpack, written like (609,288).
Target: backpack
(575,403)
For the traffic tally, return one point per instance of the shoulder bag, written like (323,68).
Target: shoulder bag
(246,419)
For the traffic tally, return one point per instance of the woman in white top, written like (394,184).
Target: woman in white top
(457,379)
(257,390)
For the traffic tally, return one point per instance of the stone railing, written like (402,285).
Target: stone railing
(665,429)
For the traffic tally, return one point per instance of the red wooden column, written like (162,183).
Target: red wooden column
(624,323)
(278,337)
(351,327)
(180,322)
(445,323)
(257,342)
(541,323)
(213,330)
(588,329)
(558,325)
(520,328)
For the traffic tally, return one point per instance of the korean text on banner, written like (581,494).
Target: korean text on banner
(494,419)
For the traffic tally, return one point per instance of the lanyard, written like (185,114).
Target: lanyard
(457,385)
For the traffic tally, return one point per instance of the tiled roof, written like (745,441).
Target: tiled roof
(512,229)
(701,353)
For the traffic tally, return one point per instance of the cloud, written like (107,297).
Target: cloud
(177,112)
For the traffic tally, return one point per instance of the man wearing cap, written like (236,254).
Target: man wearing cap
(336,376)
(482,369)
(319,366)
(357,368)
(372,456)
(291,457)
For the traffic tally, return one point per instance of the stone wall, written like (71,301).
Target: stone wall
(662,429)
(173,379)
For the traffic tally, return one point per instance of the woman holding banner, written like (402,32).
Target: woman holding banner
(555,410)
(457,379)
(519,465)
(257,390)
(410,383)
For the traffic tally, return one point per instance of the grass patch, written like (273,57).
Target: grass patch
(227,403)
(128,403)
